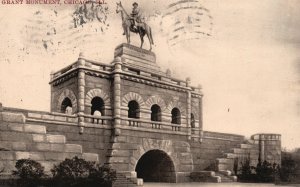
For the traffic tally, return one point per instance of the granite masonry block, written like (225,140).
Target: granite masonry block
(34,115)
(57,147)
(56,139)
(90,157)
(60,118)
(43,147)
(19,146)
(15,127)
(73,148)
(15,136)
(6,155)
(38,137)
(47,117)
(39,129)
(13,117)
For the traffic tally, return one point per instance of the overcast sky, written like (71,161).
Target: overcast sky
(248,65)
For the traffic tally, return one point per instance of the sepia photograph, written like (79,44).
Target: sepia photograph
(153,93)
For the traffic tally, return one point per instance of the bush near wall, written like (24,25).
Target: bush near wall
(75,172)
(290,167)
(266,172)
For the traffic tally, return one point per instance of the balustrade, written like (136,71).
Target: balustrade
(153,124)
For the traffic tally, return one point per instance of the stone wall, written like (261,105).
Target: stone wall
(213,146)
(48,138)
(51,137)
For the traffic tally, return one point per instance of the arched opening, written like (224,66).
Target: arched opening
(66,106)
(192,120)
(155,113)
(97,106)
(156,166)
(176,119)
(133,110)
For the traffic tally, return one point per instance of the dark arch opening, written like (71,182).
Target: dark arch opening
(97,105)
(155,113)
(176,119)
(192,120)
(133,109)
(156,166)
(65,104)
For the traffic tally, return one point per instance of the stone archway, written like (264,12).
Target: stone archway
(66,93)
(156,166)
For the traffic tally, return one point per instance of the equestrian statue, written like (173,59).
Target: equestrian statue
(135,24)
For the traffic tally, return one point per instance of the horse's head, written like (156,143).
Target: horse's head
(119,7)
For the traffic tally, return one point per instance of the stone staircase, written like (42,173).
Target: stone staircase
(225,165)
(123,181)
(30,141)
(226,176)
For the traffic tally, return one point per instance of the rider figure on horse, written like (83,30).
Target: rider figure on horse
(136,16)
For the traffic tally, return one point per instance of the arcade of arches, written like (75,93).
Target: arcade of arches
(156,166)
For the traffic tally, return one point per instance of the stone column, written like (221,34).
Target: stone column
(52,105)
(261,147)
(200,116)
(81,91)
(1,109)
(117,95)
(188,108)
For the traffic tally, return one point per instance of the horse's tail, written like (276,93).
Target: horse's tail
(150,33)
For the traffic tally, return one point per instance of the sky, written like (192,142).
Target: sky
(244,54)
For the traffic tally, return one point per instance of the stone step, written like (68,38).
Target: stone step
(239,151)
(224,161)
(230,155)
(245,146)
(124,185)
(226,176)
(223,166)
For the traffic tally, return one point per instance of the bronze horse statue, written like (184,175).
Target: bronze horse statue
(142,28)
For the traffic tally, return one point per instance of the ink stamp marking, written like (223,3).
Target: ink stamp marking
(186,20)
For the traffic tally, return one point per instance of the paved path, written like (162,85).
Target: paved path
(212,185)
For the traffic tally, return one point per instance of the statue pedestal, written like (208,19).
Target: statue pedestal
(137,58)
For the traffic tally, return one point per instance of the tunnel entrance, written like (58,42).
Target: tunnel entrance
(156,166)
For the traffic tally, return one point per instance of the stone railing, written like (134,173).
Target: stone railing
(223,136)
(159,76)
(132,122)
(31,115)
(102,120)
(257,137)
(64,70)
(98,66)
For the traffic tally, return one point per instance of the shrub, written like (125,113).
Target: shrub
(77,172)
(102,175)
(29,172)
(288,169)
(263,172)
(246,171)
(266,172)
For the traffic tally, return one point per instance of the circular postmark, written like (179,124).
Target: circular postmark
(186,20)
